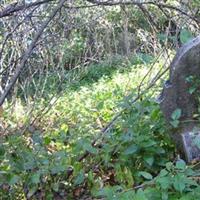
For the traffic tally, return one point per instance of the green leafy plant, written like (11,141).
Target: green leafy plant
(185,35)
(175,117)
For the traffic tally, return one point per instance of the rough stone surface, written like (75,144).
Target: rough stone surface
(176,94)
(191,146)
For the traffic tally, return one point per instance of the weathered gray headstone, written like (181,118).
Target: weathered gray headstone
(178,94)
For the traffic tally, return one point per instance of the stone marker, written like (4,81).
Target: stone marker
(180,96)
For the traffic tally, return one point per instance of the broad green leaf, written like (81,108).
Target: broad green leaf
(176,114)
(35,178)
(88,147)
(174,123)
(162,37)
(107,192)
(126,195)
(196,141)
(145,58)
(149,160)
(192,90)
(163,172)
(131,149)
(180,164)
(100,105)
(155,114)
(149,143)
(57,168)
(169,165)
(164,182)
(191,182)
(165,196)
(14,179)
(47,140)
(140,195)
(80,178)
(146,175)
(179,183)
(153,193)
(185,36)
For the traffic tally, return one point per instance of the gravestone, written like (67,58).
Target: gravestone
(179,100)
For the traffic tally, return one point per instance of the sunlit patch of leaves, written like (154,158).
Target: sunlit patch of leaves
(133,160)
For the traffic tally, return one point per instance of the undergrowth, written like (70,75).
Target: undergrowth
(135,159)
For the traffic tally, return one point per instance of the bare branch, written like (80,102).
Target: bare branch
(139,3)
(15,7)
(28,52)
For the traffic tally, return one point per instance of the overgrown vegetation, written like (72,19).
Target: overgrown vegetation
(134,160)
(82,120)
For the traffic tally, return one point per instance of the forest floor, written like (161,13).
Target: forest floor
(134,159)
